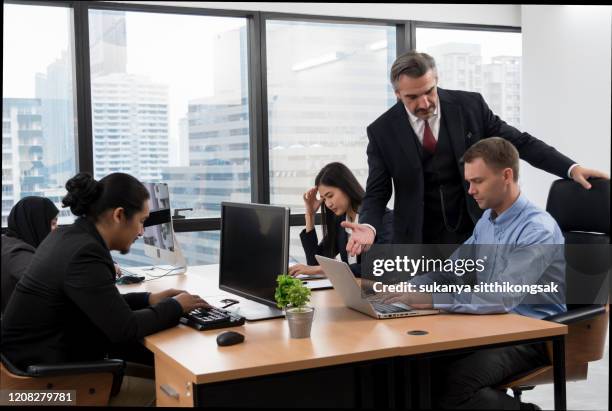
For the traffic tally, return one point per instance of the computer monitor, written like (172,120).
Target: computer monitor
(254,251)
(159,240)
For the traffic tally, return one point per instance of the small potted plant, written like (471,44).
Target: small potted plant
(292,296)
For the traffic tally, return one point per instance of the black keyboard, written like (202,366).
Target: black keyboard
(388,308)
(203,319)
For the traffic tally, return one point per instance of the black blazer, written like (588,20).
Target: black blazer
(16,257)
(312,247)
(393,159)
(67,307)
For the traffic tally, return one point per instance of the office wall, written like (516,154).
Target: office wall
(565,97)
(504,15)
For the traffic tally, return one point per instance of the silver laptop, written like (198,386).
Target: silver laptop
(344,282)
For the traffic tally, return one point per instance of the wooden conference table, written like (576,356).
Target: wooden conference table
(350,360)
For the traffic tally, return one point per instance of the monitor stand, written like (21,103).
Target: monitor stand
(254,311)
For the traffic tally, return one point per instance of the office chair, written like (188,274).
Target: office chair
(584,218)
(94,381)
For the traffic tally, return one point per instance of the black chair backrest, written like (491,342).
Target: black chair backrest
(11,367)
(577,209)
(584,218)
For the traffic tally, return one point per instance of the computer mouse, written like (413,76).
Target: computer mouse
(229,338)
(129,279)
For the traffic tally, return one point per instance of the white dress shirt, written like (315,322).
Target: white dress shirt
(418,125)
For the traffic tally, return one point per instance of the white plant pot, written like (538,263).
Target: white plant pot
(300,321)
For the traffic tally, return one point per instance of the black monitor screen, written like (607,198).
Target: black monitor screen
(254,249)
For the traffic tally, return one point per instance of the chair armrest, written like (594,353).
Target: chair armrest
(90,367)
(579,314)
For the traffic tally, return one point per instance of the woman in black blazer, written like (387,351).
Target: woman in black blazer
(66,308)
(31,220)
(341,195)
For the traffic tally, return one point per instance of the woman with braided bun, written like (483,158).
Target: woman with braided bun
(66,307)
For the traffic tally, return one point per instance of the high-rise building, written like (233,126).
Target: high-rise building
(461,67)
(23,171)
(219,169)
(502,87)
(55,91)
(130,125)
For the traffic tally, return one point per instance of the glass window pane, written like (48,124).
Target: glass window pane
(295,244)
(199,248)
(38,114)
(203,248)
(172,105)
(482,61)
(326,84)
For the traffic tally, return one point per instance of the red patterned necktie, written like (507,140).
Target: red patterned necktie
(429,142)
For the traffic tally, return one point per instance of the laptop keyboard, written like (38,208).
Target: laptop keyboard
(387,308)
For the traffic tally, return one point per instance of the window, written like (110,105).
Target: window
(295,243)
(183,97)
(38,118)
(176,102)
(180,114)
(199,248)
(326,83)
(487,62)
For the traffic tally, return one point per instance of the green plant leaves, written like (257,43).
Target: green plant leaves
(290,292)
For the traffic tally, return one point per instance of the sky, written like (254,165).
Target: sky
(22,52)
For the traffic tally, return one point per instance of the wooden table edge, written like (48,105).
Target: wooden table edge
(399,351)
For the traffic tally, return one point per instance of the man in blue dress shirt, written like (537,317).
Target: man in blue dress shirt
(524,246)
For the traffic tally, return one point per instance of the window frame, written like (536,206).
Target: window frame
(257,80)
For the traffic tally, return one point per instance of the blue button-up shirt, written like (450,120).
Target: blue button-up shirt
(523,245)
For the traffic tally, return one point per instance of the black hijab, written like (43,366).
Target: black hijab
(30,219)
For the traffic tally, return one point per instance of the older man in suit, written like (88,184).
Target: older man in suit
(417,146)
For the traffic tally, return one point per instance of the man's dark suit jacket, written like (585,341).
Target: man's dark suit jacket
(67,307)
(312,247)
(393,158)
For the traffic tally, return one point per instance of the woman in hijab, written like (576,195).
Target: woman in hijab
(29,222)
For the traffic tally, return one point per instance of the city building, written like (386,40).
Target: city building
(23,171)
(130,125)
